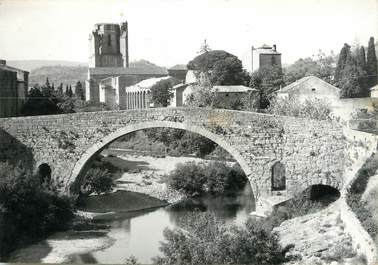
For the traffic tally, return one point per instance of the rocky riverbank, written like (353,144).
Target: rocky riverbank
(319,238)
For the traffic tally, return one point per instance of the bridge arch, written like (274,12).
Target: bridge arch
(97,147)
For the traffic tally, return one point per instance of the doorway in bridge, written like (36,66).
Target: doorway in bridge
(278,177)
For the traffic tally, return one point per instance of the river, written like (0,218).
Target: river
(140,235)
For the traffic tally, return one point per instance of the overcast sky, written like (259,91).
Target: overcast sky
(168,32)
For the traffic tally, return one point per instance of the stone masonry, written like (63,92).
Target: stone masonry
(312,151)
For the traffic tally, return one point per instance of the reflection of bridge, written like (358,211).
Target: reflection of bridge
(309,152)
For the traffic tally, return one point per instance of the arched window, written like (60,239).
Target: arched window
(278,177)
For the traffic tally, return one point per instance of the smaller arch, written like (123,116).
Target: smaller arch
(44,173)
(278,179)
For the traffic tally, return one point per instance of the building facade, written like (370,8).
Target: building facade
(13,89)
(109,72)
(265,56)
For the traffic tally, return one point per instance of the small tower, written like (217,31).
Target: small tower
(265,56)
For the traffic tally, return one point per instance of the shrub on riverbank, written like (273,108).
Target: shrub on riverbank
(29,209)
(206,240)
(360,207)
(195,179)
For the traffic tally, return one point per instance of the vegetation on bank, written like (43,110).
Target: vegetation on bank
(196,179)
(206,240)
(30,208)
(354,199)
(313,109)
(171,142)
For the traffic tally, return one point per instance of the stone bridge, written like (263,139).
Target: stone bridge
(303,152)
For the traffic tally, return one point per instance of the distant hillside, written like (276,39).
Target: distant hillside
(58,74)
(72,73)
(30,65)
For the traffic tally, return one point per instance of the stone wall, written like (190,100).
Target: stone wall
(312,151)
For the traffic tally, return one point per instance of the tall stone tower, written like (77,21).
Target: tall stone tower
(108,45)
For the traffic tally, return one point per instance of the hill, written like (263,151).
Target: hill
(30,65)
(70,74)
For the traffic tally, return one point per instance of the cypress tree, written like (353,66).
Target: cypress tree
(361,68)
(348,82)
(341,63)
(67,91)
(371,64)
(70,93)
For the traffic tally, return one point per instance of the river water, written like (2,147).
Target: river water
(140,234)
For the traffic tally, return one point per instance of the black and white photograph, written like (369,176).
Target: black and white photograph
(189,132)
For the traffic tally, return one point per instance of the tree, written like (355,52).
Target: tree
(38,103)
(341,63)
(60,89)
(220,68)
(79,91)
(361,65)
(161,92)
(267,79)
(349,79)
(371,64)
(70,93)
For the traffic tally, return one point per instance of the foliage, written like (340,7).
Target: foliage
(195,179)
(321,67)
(30,209)
(161,92)
(206,240)
(201,96)
(79,91)
(355,74)
(359,207)
(371,64)
(131,261)
(97,180)
(311,108)
(267,79)
(220,68)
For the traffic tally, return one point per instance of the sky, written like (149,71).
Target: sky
(169,32)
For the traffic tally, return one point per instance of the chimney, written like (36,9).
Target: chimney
(3,62)
(274,47)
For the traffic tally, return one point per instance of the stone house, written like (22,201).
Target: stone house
(178,71)
(13,89)
(374,91)
(309,87)
(312,87)
(237,97)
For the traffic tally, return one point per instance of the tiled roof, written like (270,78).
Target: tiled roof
(179,67)
(127,71)
(374,88)
(9,68)
(232,89)
(298,83)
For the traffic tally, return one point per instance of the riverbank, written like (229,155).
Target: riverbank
(319,238)
(146,174)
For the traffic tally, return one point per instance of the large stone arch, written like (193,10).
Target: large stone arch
(97,147)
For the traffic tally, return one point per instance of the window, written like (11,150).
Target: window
(278,177)
(313,89)
(109,40)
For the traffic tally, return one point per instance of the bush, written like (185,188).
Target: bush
(206,240)
(313,109)
(29,209)
(358,187)
(198,178)
(96,180)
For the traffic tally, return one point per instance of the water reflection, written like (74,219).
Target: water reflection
(139,234)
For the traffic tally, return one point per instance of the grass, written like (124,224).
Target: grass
(119,201)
